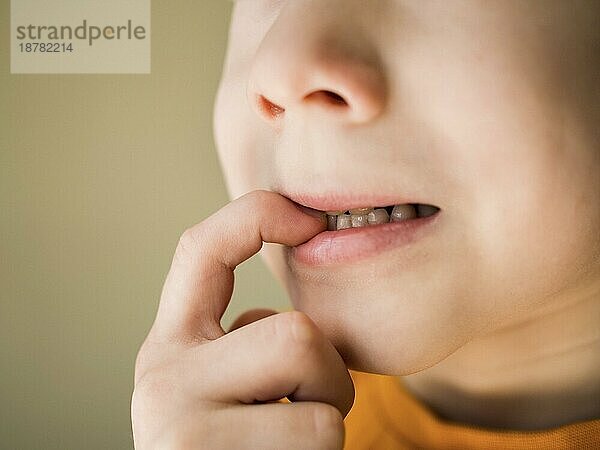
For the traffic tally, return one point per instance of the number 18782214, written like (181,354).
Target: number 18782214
(45,47)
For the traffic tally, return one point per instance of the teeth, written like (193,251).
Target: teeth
(426,210)
(403,212)
(359,220)
(378,216)
(362,217)
(331,222)
(361,211)
(344,221)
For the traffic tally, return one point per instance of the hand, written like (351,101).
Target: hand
(199,387)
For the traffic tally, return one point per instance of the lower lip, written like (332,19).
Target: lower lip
(356,244)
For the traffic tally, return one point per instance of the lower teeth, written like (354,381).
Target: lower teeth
(359,220)
(362,217)
(378,216)
(344,221)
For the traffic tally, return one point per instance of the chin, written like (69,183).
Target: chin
(378,337)
(372,330)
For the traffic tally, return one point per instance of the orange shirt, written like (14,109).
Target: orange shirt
(386,416)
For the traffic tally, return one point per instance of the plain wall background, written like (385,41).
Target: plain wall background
(99,175)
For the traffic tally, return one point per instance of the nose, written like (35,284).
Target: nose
(307,64)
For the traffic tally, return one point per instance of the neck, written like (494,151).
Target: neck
(538,374)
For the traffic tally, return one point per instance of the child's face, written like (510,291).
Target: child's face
(486,109)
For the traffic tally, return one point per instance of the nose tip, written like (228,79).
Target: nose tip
(354,98)
(314,77)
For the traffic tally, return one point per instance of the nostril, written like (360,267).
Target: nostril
(270,109)
(328,97)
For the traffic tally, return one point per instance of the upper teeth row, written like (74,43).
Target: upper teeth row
(362,217)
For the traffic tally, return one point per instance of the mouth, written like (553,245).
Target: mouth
(357,232)
(370,216)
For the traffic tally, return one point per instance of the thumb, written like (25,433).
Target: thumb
(252,315)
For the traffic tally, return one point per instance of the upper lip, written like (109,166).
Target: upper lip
(338,201)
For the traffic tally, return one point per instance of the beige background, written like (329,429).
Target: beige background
(99,175)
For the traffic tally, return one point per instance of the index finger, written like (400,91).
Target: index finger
(199,284)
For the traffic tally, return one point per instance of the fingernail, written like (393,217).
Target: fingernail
(313,212)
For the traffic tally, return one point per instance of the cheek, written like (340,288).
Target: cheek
(239,138)
(529,195)
(226,120)
(535,219)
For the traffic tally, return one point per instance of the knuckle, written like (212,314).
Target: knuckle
(329,426)
(153,386)
(297,333)
(259,201)
(149,355)
(186,243)
(189,246)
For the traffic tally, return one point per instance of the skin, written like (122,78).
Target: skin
(488,110)
(193,381)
